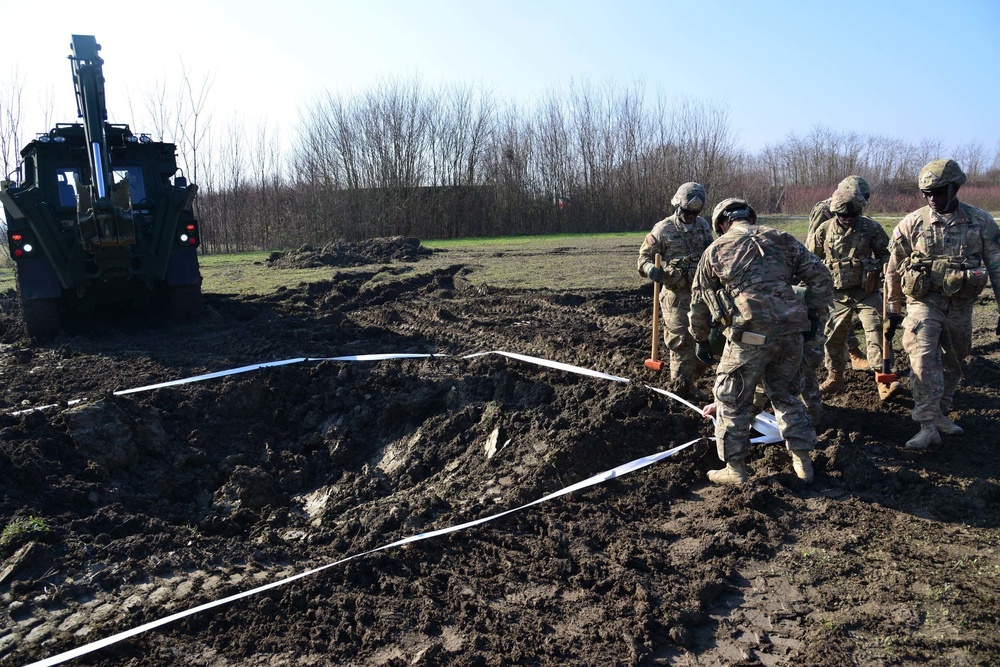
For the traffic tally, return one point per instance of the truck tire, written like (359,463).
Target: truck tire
(41,317)
(184,302)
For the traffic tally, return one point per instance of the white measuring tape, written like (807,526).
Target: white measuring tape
(764,423)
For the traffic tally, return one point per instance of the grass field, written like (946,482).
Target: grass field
(581,261)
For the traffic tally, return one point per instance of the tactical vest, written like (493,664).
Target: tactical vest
(851,272)
(678,272)
(958,275)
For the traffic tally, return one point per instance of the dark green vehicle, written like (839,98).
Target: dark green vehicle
(100,215)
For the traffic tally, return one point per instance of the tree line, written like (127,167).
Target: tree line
(405,158)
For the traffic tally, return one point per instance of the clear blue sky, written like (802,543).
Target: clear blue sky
(912,69)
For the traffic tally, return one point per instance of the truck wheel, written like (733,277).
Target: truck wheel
(41,317)
(184,302)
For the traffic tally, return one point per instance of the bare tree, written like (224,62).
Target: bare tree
(11,110)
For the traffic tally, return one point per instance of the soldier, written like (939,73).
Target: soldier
(679,240)
(855,249)
(940,258)
(819,214)
(744,281)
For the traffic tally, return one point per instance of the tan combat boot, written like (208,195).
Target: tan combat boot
(859,361)
(928,436)
(802,464)
(833,383)
(947,426)
(734,474)
(887,391)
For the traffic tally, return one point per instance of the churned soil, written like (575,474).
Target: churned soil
(155,502)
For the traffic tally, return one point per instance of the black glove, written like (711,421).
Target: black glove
(655,274)
(894,320)
(703,351)
(813,325)
(998,327)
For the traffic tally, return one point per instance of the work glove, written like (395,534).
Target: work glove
(655,274)
(998,327)
(894,320)
(703,351)
(813,325)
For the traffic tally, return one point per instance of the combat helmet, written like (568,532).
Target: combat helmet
(733,208)
(939,173)
(690,196)
(847,201)
(855,181)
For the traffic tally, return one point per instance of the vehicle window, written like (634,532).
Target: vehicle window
(67,179)
(134,177)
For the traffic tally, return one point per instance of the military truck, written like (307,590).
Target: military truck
(100,215)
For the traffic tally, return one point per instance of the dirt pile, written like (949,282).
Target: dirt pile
(158,501)
(345,253)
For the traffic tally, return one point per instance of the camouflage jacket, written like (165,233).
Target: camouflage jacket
(855,255)
(744,280)
(934,258)
(679,249)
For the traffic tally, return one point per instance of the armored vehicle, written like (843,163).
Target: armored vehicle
(100,215)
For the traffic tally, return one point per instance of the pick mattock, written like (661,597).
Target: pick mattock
(654,363)
(888,332)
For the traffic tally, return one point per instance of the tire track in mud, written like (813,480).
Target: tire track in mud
(656,568)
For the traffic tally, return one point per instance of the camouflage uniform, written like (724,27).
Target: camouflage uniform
(745,279)
(680,246)
(819,214)
(812,359)
(940,262)
(855,256)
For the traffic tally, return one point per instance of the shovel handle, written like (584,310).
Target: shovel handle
(656,313)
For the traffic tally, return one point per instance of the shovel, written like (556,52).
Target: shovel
(888,331)
(654,363)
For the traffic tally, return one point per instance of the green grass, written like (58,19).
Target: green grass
(21,531)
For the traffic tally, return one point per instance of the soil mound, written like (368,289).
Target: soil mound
(345,253)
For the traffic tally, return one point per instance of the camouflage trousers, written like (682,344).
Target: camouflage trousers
(776,364)
(840,326)
(938,339)
(680,344)
(812,359)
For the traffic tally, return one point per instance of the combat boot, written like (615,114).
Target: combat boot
(886,391)
(802,464)
(928,436)
(734,474)
(833,383)
(859,361)
(947,426)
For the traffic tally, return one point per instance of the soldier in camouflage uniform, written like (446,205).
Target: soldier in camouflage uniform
(940,258)
(855,249)
(744,281)
(679,240)
(819,214)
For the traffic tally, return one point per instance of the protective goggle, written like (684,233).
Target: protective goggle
(943,190)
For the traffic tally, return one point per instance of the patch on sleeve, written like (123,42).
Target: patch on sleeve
(896,233)
(650,239)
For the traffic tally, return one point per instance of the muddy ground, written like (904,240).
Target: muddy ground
(155,502)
